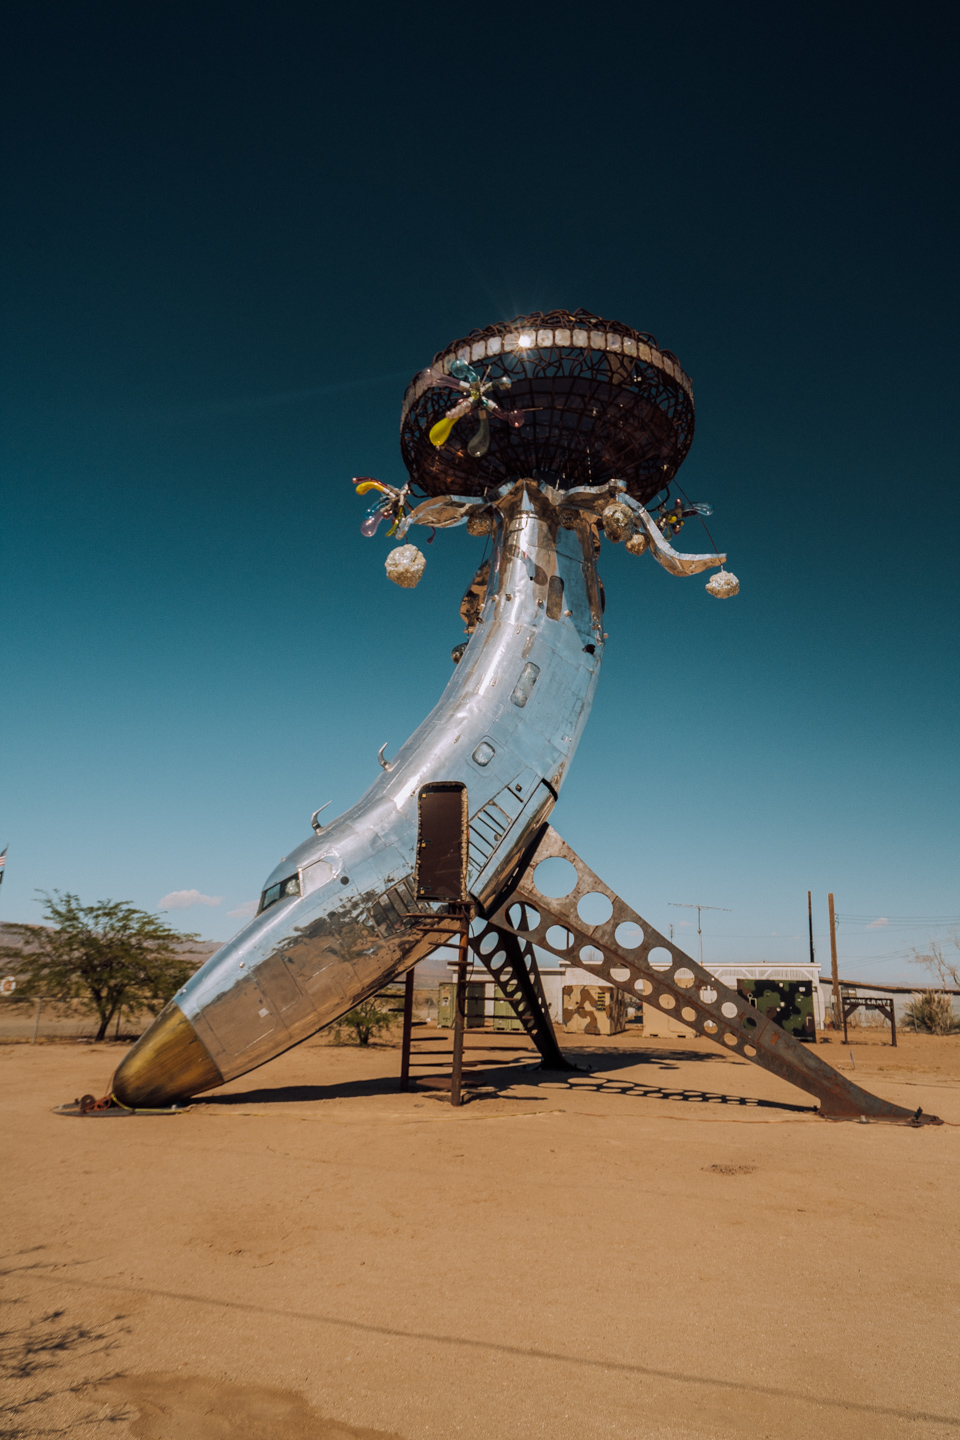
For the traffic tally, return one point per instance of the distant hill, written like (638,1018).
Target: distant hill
(198,951)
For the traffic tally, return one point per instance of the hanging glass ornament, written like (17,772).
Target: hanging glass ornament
(404,566)
(440,433)
(637,543)
(617,521)
(480,443)
(437,377)
(723,585)
(673,519)
(375,518)
(476,396)
(391,506)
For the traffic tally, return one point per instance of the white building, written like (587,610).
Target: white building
(558,975)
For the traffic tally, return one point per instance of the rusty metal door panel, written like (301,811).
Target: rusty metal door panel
(442,844)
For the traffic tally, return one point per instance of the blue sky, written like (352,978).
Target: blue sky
(235,231)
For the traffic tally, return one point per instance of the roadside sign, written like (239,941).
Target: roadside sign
(7,985)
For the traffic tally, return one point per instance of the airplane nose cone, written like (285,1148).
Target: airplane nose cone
(168,1063)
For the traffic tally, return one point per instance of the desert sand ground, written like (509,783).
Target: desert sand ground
(671,1246)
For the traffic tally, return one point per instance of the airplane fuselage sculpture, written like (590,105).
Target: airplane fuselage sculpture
(342,914)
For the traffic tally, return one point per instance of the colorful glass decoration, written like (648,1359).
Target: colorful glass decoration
(672,515)
(391,505)
(476,396)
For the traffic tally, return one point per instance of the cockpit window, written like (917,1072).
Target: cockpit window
(281,891)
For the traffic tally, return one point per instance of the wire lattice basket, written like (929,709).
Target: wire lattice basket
(600,401)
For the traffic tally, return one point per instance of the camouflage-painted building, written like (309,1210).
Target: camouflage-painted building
(789,994)
(580,1003)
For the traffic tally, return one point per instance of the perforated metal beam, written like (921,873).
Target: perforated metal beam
(513,966)
(654,969)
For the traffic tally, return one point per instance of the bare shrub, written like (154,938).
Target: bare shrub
(931,1014)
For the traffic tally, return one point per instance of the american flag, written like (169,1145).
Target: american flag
(3,862)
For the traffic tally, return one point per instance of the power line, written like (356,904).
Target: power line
(899,919)
(677,905)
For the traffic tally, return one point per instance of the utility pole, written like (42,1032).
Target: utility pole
(813,961)
(677,906)
(837,1007)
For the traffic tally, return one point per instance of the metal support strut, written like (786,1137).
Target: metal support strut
(654,969)
(513,967)
(408,985)
(459,1018)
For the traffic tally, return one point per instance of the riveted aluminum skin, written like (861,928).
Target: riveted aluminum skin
(506,726)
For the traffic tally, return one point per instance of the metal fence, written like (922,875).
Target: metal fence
(31,1021)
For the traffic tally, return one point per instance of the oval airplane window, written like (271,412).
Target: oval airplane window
(523,687)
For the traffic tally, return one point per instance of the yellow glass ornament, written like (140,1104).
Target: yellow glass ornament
(440,433)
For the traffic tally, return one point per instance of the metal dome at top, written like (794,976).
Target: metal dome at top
(589,400)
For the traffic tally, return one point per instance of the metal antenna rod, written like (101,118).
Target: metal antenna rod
(678,906)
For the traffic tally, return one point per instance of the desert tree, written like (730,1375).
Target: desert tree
(941,963)
(363,1022)
(109,956)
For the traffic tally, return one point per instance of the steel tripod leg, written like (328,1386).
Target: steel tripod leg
(407,1029)
(513,966)
(681,987)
